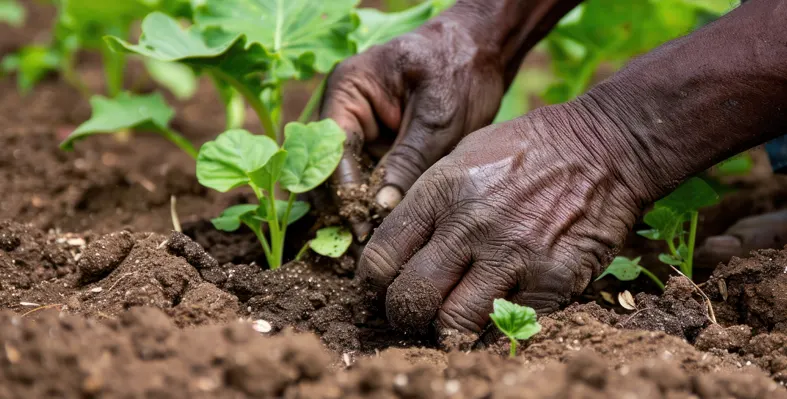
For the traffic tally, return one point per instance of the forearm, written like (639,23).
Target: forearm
(510,27)
(697,100)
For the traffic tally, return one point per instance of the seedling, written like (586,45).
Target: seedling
(515,321)
(308,157)
(625,269)
(669,216)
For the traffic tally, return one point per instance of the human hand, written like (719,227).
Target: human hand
(529,210)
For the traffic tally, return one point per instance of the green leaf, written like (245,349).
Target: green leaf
(665,221)
(670,260)
(231,218)
(301,36)
(225,163)
(177,78)
(683,252)
(331,241)
(692,195)
(377,27)
(31,64)
(12,13)
(90,20)
(651,234)
(313,152)
(739,165)
(127,111)
(269,174)
(624,269)
(515,321)
(164,39)
(299,210)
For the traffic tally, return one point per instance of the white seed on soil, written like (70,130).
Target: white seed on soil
(29,304)
(400,380)
(261,326)
(451,387)
(347,359)
(97,289)
(76,242)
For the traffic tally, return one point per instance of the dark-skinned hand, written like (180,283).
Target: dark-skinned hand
(423,91)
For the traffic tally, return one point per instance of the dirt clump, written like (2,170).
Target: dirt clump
(181,245)
(143,354)
(752,291)
(102,256)
(28,256)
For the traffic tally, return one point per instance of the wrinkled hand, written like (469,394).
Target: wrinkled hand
(425,90)
(528,210)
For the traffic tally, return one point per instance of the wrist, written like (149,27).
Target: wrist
(508,28)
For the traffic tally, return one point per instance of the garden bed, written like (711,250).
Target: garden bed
(98,298)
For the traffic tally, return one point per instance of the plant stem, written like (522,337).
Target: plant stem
(273,225)
(695,216)
(253,99)
(72,77)
(314,100)
(672,249)
(114,67)
(286,219)
(303,250)
(652,277)
(180,141)
(512,352)
(264,241)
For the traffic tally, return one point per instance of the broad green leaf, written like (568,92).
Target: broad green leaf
(164,39)
(300,35)
(670,260)
(225,163)
(31,64)
(313,152)
(515,321)
(12,13)
(90,20)
(299,210)
(692,195)
(331,241)
(177,78)
(665,221)
(231,218)
(377,27)
(624,269)
(127,111)
(269,174)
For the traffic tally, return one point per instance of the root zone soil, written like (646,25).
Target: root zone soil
(99,299)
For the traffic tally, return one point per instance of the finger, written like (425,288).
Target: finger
(400,236)
(467,308)
(412,301)
(428,132)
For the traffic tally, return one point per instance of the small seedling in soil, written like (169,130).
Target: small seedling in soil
(308,157)
(515,321)
(625,269)
(669,216)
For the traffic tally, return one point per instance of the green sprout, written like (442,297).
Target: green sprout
(307,158)
(669,216)
(515,321)
(625,269)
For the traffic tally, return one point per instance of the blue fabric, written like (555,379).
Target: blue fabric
(777,154)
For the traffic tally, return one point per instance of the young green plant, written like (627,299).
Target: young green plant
(307,158)
(625,269)
(515,321)
(669,216)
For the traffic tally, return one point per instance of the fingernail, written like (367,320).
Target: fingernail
(362,231)
(388,197)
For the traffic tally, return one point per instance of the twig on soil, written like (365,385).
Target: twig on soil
(163,243)
(634,315)
(711,314)
(42,308)
(174,213)
(117,281)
